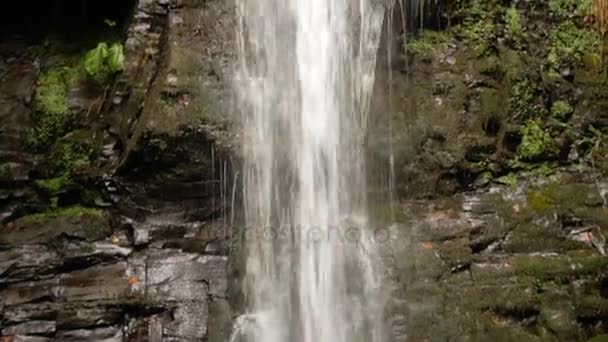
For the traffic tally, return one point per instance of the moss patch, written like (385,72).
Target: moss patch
(569,8)
(561,110)
(569,43)
(536,143)
(74,211)
(521,98)
(514,27)
(427,43)
(563,267)
(52,115)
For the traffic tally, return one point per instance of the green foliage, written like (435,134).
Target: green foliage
(73,211)
(67,159)
(53,186)
(521,98)
(426,43)
(570,43)
(514,26)
(51,112)
(539,202)
(569,8)
(479,26)
(561,109)
(72,157)
(510,179)
(535,142)
(103,62)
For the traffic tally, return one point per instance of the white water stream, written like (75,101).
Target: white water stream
(304,80)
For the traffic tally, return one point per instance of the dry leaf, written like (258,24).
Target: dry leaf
(427,245)
(133,280)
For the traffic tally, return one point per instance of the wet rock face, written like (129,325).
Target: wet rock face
(89,278)
(131,246)
(512,263)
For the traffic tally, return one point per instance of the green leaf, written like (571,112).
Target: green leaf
(510,180)
(116,58)
(94,61)
(110,23)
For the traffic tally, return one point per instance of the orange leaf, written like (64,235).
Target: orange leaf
(427,245)
(133,280)
(7,338)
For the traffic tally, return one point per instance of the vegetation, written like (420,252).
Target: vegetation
(569,43)
(52,115)
(561,110)
(561,268)
(479,26)
(426,43)
(569,8)
(67,160)
(73,211)
(535,142)
(103,62)
(521,98)
(514,27)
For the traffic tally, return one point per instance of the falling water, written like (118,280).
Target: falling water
(304,79)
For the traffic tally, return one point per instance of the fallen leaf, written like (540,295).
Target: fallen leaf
(7,338)
(115,240)
(427,245)
(133,280)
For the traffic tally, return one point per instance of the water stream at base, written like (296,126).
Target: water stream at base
(304,79)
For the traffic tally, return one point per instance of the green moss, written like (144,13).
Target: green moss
(74,211)
(52,115)
(561,109)
(569,43)
(521,98)
(535,143)
(427,42)
(479,27)
(599,338)
(515,27)
(53,186)
(563,267)
(568,8)
(539,202)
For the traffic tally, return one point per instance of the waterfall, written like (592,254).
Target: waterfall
(304,77)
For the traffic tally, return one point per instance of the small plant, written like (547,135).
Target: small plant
(521,98)
(425,44)
(479,26)
(569,43)
(561,109)
(509,179)
(68,159)
(570,8)
(514,26)
(535,142)
(103,62)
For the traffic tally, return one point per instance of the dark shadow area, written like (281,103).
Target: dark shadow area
(64,20)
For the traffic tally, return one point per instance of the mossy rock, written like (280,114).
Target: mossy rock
(456,253)
(569,266)
(506,295)
(52,116)
(599,338)
(84,223)
(535,237)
